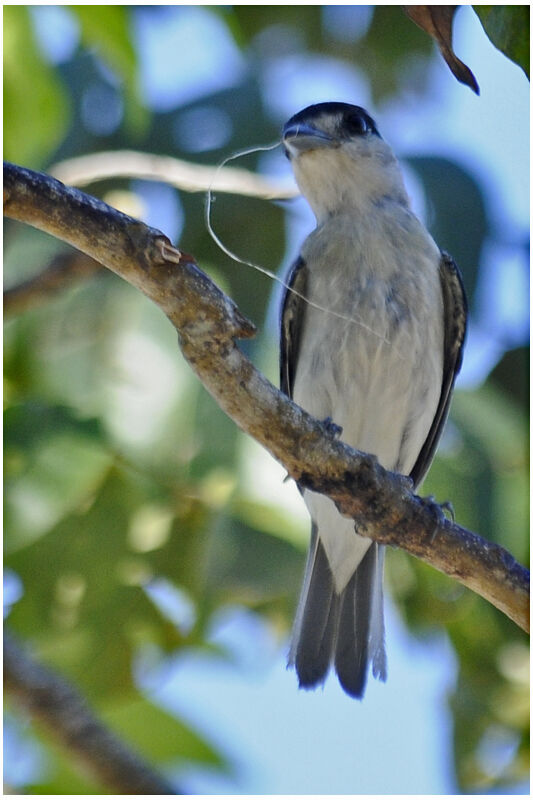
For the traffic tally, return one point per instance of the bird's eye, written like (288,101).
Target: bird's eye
(356,125)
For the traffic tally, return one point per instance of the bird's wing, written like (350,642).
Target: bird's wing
(292,320)
(455,316)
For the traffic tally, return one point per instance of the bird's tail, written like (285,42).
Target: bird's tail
(346,628)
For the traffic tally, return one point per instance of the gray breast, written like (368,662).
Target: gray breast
(372,360)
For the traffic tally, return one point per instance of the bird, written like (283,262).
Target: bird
(372,329)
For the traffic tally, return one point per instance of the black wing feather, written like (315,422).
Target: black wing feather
(455,316)
(316,635)
(292,320)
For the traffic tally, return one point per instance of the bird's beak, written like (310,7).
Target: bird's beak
(300,137)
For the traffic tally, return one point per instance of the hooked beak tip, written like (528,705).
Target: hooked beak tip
(301,137)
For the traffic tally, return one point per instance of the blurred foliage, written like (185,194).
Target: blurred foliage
(457,217)
(106,30)
(121,472)
(508,29)
(485,474)
(33,129)
(409,50)
(146,728)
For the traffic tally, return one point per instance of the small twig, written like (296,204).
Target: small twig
(56,705)
(188,177)
(65,270)
(208,324)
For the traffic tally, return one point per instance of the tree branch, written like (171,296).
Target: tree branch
(183,175)
(64,713)
(208,324)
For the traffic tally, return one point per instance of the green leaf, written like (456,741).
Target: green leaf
(508,29)
(247,21)
(28,424)
(511,375)
(158,735)
(106,28)
(53,464)
(36,111)
(83,603)
(392,48)
(456,213)
(253,568)
(270,520)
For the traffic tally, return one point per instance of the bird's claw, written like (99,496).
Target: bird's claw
(438,510)
(332,427)
(448,506)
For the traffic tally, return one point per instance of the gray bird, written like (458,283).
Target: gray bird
(371,338)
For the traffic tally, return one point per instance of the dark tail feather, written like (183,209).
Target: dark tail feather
(357,622)
(315,626)
(347,628)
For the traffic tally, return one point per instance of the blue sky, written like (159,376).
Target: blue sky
(398,739)
(282,741)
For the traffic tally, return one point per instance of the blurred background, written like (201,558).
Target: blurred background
(153,554)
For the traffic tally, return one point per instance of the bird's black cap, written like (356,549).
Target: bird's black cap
(353,120)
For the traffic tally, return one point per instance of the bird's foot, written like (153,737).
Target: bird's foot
(448,506)
(332,427)
(438,511)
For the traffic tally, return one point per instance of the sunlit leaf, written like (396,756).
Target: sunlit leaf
(36,108)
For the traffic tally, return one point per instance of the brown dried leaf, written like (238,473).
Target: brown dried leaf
(437,22)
